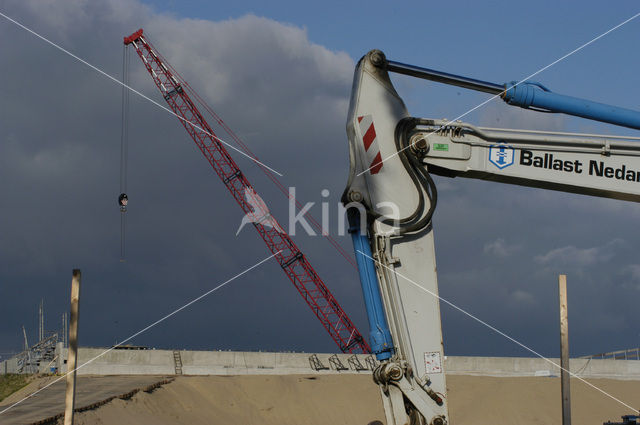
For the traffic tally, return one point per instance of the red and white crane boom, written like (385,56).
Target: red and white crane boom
(291,259)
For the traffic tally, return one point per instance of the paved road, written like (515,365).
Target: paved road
(89,389)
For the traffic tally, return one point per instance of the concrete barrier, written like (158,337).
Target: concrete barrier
(100,361)
(9,365)
(524,366)
(161,362)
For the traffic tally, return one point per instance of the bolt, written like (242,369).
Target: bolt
(438,421)
(377,58)
(394,372)
(421,144)
(420,147)
(355,196)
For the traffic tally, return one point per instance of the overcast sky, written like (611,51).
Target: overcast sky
(280,75)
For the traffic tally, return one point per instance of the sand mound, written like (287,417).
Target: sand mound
(355,400)
(265,400)
(488,400)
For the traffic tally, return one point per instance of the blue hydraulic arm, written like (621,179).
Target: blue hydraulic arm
(529,95)
(379,335)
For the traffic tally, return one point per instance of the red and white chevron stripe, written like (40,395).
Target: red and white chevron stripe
(370,142)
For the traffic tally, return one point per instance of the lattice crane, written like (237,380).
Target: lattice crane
(293,262)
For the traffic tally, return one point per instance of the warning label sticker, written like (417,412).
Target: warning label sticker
(432,362)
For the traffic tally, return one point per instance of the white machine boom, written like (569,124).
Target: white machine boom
(391,198)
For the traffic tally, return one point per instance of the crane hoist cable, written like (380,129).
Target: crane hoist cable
(292,261)
(123,198)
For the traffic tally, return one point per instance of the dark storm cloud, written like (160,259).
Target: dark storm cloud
(59,165)
(499,247)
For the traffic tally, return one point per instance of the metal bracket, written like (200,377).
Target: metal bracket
(355,363)
(316,364)
(393,378)
(336,363)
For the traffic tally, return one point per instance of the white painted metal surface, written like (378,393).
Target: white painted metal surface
(409,287)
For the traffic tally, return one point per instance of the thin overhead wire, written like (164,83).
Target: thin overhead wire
(124,145)
(125,121)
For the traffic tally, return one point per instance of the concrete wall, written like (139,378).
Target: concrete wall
(94,361)
(251,363)
(101,361)
(523,366)
(9,365)
(161,362)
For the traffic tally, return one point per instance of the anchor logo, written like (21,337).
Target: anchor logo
(501,156)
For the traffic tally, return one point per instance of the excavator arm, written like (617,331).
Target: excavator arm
(390,198)
(397,262)
(604,166)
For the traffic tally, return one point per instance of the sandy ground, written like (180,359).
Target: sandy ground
(50,401)
(529,401)
(355,400)
(344,399)
(248,400)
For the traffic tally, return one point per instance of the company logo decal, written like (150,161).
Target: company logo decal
(501,156)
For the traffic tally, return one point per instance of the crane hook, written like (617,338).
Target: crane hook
(123,200)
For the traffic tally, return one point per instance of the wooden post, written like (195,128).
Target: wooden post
(72,358)
(564,351)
